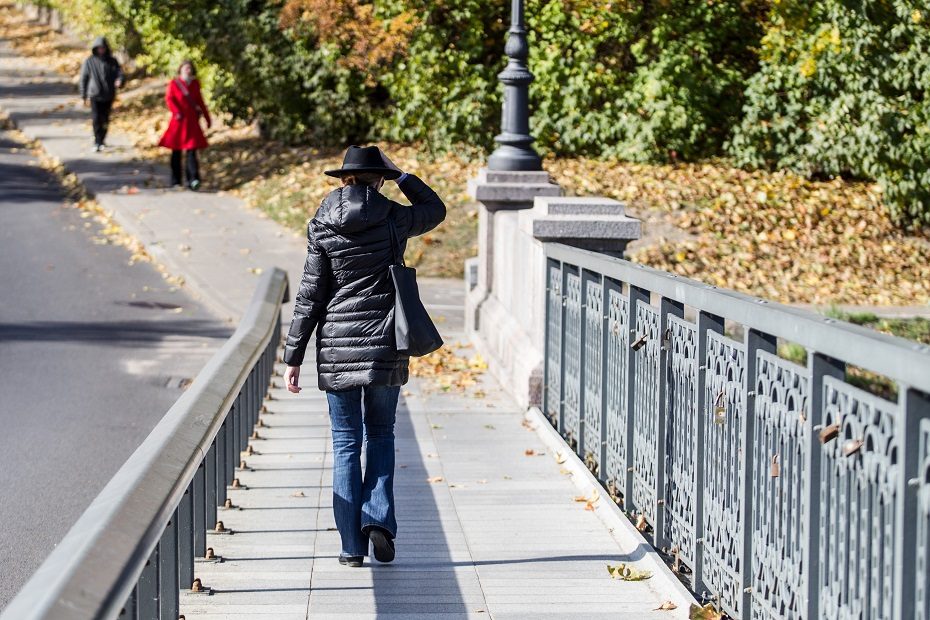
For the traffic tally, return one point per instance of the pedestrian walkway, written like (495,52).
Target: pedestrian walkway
(489,522)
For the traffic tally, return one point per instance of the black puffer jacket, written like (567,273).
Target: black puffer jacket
(346,292)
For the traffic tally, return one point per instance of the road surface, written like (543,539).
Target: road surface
(93,351)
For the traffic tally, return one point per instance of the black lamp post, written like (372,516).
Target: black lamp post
(515,151)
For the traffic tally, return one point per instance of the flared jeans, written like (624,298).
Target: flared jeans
(360,502)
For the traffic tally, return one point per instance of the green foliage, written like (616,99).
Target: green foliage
(842,92)
(830,88)
(640,80)
(445,90)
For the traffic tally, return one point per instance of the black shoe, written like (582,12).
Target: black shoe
(352,560)
(195,185)
(384,546)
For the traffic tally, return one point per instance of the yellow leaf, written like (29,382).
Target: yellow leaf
(666,606)
(627,573)
(707,612)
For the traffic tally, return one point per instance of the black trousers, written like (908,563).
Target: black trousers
(192,167)
(100,112)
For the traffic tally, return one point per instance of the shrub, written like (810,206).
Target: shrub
(842,92)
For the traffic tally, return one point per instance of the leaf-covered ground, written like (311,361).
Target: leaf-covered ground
(776,235)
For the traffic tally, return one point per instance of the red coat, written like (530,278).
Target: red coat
(184,133)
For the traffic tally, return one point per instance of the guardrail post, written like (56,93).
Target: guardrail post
(168,584)
(147,588)
(210,487)
(200,512)
(243,411)
(819,366)
(705,322)
(222,460)
(605,344)
(666,307)
(185,517)
(563,277)
(915,407)
(637,296)
(755,341)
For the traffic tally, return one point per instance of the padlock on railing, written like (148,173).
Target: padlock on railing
(851,446)
(775,470)
(720,410)
(639,342)
(829,433)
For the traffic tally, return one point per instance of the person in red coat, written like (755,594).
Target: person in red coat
(184,133)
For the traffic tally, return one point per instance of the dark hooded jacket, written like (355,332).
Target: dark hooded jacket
(346,292)
(99,73)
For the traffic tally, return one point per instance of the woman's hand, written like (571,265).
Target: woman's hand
(292,378)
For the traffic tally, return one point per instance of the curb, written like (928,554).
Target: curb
(613,516)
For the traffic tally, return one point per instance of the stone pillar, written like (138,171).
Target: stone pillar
(498,191)
(505,311)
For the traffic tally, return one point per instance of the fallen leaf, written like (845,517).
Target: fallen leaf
(707,612)
(666,606)
(641,523)
(559,458)
(434,479)
(627,573)
(298,494)
(490,427)
(529,452)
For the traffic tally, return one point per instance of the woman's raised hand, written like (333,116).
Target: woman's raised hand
(292,379)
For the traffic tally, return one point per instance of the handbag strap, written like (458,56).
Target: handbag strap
(395,244)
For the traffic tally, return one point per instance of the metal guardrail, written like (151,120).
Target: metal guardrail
(132,551)
(777,490)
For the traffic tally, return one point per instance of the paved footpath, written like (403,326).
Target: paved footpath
(487,529)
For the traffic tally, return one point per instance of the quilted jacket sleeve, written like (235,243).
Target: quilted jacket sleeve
(426,209)
(311,300)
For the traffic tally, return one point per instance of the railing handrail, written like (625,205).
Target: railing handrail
(905,361)
(96,565)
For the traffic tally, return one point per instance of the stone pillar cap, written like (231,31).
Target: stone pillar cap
(592,218)
(501,190)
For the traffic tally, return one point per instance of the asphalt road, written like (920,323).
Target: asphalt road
(93,351)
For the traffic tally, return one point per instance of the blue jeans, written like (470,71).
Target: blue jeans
(360,503)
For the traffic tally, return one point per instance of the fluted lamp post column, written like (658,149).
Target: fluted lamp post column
(515,151)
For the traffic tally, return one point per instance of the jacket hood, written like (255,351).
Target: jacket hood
(100,42)
(353,208)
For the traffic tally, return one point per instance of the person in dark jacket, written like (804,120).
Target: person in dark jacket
(346,294)
(183,98)
(101,75)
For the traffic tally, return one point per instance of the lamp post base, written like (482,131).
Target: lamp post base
(507,157)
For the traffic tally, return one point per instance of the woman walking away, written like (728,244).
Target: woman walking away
(101,75)
(184,134)
(347,295)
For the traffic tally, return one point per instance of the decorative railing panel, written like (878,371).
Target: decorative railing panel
(571,381)
(646,410)
(859,481)
(593,363)
(785,491)
(921,585)
(725,408)
(618,344)
(681,437)
(780,483)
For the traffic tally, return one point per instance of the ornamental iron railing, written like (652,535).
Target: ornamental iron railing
(132,551)
(775,489)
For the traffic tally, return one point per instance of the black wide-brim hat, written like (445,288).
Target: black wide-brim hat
(360,159)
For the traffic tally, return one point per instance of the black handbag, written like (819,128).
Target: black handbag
(414,331)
